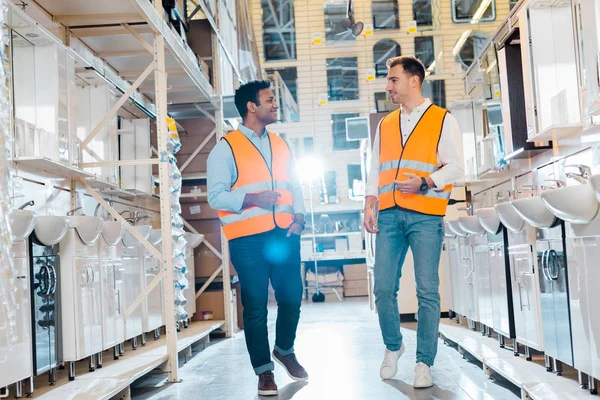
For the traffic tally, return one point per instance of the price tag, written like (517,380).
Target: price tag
(370,75)
(496,90)
(323,99)
(368,30)
(457,68)
(317,38)
(412,27)
(195,210)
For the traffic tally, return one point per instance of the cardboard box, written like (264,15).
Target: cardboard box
(330,279)
(205,262)
(355,272)
(364,284)
(330,296)
(356,292)
(210,301)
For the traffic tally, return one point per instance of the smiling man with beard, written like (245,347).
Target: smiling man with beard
(253,185)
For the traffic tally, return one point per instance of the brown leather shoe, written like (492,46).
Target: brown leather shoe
(266,384)
(291,366)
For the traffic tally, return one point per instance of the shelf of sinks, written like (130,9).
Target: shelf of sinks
(557,132)
(576,204)
(52,167)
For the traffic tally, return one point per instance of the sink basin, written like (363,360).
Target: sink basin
(50,230)
(534,212)
(129,241)
(576,204)
(509,217)
(595,181)
(488,218)
(455,227)
(193,239)
(471,225)
(22,223)
(155,236)
(88,228)
(112,232)
(448,232)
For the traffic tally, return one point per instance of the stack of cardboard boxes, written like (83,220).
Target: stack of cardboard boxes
(329,278)
(355,280)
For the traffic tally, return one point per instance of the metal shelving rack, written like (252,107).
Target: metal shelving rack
(126,40)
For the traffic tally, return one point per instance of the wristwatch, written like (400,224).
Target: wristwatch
(424,186)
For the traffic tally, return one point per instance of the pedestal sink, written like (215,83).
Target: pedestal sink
(488,217)
(455,227)
(112,232)
(509,217)
(22,223)
(193,239)
(88,228)
(130,241)
(576,204)
(595,182)
(50,229)
(534,212)
(470,224)
(155,236)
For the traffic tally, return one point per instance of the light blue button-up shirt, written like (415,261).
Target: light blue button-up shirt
(222,173)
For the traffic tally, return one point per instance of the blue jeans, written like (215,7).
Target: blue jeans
(258,259)
(398,230)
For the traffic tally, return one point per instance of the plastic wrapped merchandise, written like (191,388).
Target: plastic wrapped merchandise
(174,143)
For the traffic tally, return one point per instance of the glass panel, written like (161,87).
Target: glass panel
(383,103)
(342,78)
(473,10)
(335,14)
(385,14)
(422,12)
(279,32)
(289,76)
(383,51)
(425,51)
(338,129)
(435,90)
(471,48)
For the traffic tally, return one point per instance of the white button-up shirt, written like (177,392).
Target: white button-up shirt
(450,150)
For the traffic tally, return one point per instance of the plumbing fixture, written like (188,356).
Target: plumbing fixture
(468,209)
(30,203)
(73,211)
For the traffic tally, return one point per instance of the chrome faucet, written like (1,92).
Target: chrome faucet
(584,173)
(72,212)
(130,219)
(500,196)
(468,209)
(528,188)
(109,201)
(30,203)
(558,183)
(140,217)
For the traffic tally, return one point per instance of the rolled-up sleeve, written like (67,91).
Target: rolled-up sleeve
(450,155)
(220,174)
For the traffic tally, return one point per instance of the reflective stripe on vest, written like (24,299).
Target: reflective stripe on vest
(254,176)
(417,156)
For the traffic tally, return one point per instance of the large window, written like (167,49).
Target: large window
(435,90)
(473,10)
(470,49)
(289,76)
(383,103)
(383,51)
(385,14)
(422,12)
(425,51)
(335,28)
(338,128)
(342,78)
(279,32)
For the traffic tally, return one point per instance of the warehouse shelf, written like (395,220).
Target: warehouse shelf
(51,167)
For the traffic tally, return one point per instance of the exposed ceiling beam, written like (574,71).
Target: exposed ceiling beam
(70,20)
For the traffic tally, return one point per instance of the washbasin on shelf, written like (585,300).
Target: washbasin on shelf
(595,182)
(576,204)
(509,217)
(488,217)
(88,228)
(22,223)
(130,241)
(471,225)
(193,239)
(155,236)
(455,227)
(448,232)
(112,232)
(534,212)
(51,229)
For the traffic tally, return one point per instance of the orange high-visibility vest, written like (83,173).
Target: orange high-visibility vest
(254,176)
(417,156)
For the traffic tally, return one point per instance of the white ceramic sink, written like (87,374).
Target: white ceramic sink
(193,239)
(470,224)
(595,181)
(509,217)
(112,232)
(155,236)
(129,241)
(22,223)
(534,212)
(88,228)
(51,229)
(455,227)
(448,232)
(576,204)
(488,218)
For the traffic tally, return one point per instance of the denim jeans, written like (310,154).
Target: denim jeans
(258,259)
(398,230)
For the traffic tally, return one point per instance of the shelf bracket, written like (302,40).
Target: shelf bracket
(209,281)
(198,150)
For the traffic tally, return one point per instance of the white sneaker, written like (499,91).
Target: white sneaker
(423,377)
(389,366)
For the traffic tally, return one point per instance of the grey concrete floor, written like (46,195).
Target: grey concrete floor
(340,346)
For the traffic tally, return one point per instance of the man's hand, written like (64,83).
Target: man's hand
(412,185)
(265,199)
(295,229)
(370,220)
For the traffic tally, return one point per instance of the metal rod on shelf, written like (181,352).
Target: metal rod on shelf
(204,241)
(209,281)
(155,281)
(148,161)
(118,105)
(140,39)
(119,218)
(198,150)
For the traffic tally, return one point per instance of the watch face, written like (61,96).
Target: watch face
(424,187)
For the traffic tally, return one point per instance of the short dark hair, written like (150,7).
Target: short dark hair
(411,65)
(249,92)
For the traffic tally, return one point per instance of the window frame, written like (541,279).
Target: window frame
(293,38)
(431,13)
(350,144)
(466,21)
(330,35)
(432,38)
(396,10)
(375,64)
(329,91)
(443,90)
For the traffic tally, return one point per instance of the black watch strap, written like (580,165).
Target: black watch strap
(424,185)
